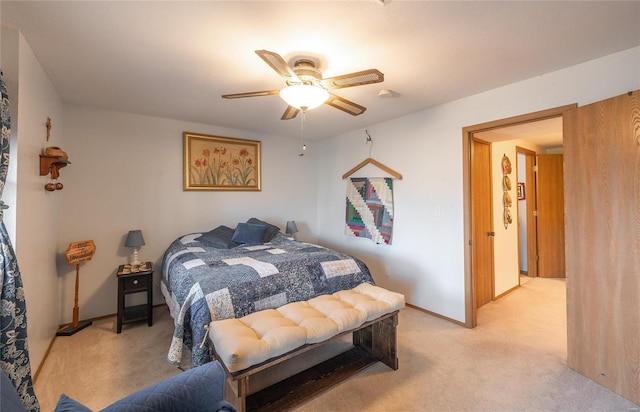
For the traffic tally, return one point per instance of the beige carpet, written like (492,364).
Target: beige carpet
(515,360)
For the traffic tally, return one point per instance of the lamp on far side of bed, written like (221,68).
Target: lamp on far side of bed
(134,240)
(291,228)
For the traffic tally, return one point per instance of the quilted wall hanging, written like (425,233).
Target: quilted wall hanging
(369,211)
(369,208)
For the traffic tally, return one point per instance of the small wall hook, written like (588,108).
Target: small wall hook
(48,128)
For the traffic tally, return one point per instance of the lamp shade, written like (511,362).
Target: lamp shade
(134,239)
(291,227)
(304,96)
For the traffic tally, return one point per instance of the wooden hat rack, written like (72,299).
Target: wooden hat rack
(52,160)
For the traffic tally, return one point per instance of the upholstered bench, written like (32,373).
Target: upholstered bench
(269,337)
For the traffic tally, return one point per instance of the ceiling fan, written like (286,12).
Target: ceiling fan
(306,89)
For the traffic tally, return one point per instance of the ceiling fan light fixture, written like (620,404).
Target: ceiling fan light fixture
(304,95)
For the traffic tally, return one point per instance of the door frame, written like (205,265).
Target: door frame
(467,134)
(530,221)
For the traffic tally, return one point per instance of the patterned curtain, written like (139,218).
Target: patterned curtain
(14,353)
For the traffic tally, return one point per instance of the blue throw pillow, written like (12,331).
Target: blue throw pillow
(270,230)
(66,404)
(249,234)
(220,237)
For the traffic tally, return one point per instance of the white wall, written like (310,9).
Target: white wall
(126,173)
(506,272)
(426,259)
(505,243)
(36,211)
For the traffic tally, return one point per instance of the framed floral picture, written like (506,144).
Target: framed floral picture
(221,163)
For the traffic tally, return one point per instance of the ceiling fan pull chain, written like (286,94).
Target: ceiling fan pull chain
(302,120)
(369,139)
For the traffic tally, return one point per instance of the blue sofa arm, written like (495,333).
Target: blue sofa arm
(9,399)
(195,390)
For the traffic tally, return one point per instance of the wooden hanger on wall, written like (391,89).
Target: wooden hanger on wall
(375,163)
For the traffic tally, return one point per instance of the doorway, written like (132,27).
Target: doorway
(601,152)
(528,242)
(468,134)
(550,216)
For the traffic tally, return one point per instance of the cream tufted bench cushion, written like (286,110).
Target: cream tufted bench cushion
(252,339)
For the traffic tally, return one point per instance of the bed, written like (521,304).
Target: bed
(220,275)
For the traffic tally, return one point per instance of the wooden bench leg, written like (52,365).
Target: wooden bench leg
(380,339)
(235,392)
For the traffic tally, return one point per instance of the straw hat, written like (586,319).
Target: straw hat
(56,151)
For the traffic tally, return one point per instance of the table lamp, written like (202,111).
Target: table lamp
(291,228)
(134,240)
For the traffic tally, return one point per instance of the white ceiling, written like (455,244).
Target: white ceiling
(545,133)
(175,59)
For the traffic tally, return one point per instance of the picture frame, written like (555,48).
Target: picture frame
(521,195)
(221,163)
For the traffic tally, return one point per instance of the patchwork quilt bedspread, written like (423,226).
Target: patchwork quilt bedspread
(202,283)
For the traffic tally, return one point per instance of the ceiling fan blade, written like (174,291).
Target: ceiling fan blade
(354,79)
(345,105)
(289,113)
(277,63)
(250,94)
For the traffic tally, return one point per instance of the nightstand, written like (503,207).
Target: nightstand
(134,282)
